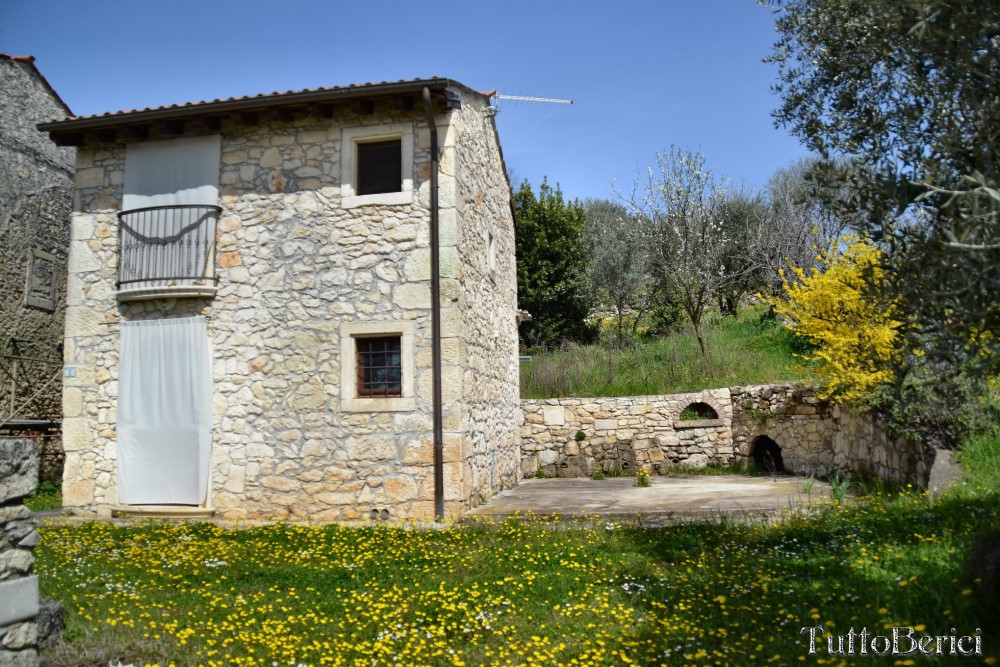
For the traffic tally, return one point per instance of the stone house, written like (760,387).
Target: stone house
(36,181)
(254,327)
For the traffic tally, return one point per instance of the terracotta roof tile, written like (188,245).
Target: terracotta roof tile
(274,97)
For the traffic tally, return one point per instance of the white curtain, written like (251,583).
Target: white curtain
(164,412)
(171,242)
(176,171)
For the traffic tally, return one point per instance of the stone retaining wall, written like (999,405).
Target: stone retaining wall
(819,438)
(815,437)
(18,537)
(621,433)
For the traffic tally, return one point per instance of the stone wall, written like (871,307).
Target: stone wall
(18,537)
(819,438)
(294,266)
(815,437)
(622,433)
(35,195)
(487,303)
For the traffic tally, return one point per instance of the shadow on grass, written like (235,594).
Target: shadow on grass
(749,591)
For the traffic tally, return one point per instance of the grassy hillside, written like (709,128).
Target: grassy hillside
(749,349)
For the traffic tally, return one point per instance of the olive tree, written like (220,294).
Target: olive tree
(903,96)
(619,262)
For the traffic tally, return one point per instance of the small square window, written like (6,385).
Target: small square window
(380,366)
(380,167)
(376,165)
(377,366)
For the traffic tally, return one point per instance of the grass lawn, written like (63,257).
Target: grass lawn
(530,592)
(748,349)
(48,496)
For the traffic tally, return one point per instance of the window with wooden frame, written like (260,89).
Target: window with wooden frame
(376,165)
(380,167)
(379,363)
(377,368)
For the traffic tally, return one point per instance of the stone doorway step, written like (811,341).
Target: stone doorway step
(162,511)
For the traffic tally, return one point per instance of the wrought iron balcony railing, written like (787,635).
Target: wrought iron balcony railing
(167,251)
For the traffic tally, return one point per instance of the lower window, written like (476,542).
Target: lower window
(377,366)
(380,366)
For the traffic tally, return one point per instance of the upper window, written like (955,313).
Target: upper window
(167,226)
(376,165)
(380,167)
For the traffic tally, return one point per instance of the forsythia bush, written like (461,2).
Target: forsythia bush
(838,308)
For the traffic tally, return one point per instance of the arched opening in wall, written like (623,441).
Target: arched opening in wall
(767,455)
(698,411)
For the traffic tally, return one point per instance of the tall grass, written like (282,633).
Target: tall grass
(750,349)
(980,457)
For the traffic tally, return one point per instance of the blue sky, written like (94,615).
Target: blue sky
(642,75)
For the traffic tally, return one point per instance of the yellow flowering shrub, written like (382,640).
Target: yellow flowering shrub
(837,307)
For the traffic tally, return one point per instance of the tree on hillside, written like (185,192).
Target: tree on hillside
(745,218)
(551,267)
(906,94)
(618,269)
(788,224)
(680,201)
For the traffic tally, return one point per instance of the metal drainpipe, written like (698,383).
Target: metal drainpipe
(436,317)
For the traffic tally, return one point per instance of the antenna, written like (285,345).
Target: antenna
(522,98)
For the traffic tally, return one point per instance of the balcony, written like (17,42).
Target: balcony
(167,252)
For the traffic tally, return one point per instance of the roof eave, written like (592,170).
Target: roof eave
(74,126)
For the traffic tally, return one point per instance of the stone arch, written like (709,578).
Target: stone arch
(704,402)
(766,454)
(704,410)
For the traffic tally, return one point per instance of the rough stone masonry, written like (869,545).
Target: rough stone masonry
(18,537)
(816,437)
(36,187)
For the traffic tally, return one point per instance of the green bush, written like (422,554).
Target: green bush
(47,496)
(939,406)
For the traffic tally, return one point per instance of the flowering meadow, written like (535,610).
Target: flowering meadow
(521,591)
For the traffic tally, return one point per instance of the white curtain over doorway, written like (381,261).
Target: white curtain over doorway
(164,412)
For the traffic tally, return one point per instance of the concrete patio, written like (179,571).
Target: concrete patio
(667,499)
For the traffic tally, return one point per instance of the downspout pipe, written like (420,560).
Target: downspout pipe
(436,316)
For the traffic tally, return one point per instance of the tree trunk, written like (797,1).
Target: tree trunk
(701,339)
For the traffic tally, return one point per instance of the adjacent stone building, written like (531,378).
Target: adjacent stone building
(36,180)
(250,306)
